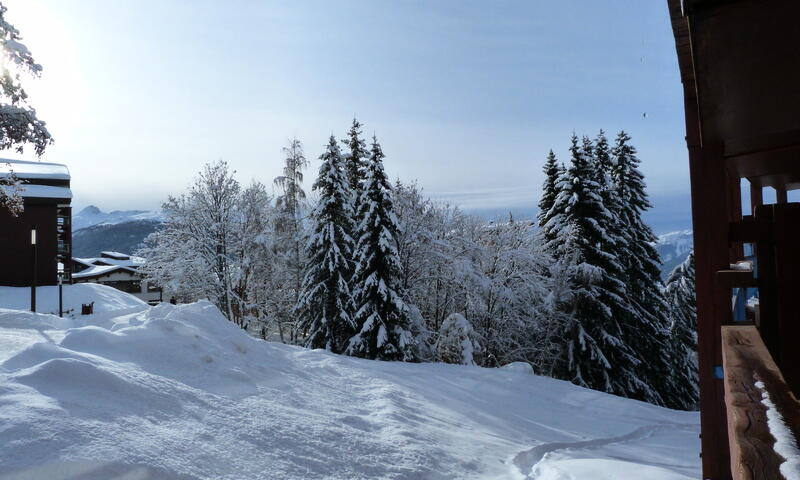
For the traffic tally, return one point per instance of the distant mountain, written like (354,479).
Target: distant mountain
(674,247)
(95,231)
(671,212)
(92,215)
(125,236)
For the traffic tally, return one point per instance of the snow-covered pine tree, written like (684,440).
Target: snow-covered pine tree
(325,302)
(457,341)
(593,351)
(680,296)
(381,315)
(549,194)
(289,230)
(646,331)
(601,152)
(355,160)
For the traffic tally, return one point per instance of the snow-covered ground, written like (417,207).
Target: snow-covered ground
(177,392)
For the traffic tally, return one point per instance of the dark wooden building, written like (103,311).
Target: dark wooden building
(47,196)
(740,69)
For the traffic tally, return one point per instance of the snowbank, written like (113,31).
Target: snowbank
(107,299)
(177,392)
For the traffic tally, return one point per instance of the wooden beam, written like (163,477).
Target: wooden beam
(747,361)
(772,141)
(729,279)
(694,6)
(769,168)
(751,230)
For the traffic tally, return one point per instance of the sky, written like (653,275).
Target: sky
(466,97)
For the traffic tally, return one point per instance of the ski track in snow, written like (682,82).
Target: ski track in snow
(528,461)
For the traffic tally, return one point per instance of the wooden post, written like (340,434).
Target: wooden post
(780,195)
(756,197)
(35,268)
(787,279)
(736,249)
(765,251)
(710,218)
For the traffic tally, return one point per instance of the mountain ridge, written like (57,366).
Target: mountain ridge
(92,215)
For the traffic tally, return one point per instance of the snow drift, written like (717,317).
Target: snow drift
(178,392)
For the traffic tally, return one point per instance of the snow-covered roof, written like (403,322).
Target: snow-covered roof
(34,170)
(130,261)
(115,255)
(98,270)
(84,261)
(38,191)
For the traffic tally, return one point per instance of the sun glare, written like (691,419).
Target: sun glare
(57,95)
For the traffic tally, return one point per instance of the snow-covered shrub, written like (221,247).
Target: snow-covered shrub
(457,341)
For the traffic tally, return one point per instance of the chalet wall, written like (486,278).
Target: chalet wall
(15,246)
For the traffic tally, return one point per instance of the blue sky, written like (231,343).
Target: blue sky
(465,96)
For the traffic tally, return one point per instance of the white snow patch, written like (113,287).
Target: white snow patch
(521,367)
(785,443)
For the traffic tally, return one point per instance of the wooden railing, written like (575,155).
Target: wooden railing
(751,376)
(774,231)
(761,361)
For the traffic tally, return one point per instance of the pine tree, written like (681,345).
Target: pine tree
(604,176)
(381,315)
(355,160)
(602,154)
(645,331)
(549,194)
(604,173)
(593,354)
(325,302)
(680,296)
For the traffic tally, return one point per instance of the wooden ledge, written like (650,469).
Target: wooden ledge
(745,361)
